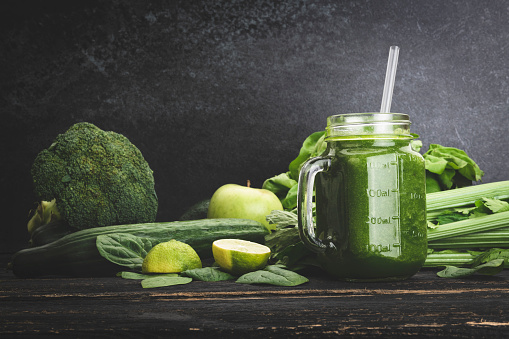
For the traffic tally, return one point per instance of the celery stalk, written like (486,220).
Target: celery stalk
(466,196)
(449,259)
(468,226)
(498,238)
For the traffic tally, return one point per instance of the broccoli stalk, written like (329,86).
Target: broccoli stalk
(45,213)
(97,178)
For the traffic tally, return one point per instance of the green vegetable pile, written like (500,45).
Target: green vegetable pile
(468,222)
(98,206)
(129,251)
(97,178)
(90,178)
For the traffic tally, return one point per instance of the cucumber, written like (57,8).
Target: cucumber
(49,232)
(197,211)
(76,254)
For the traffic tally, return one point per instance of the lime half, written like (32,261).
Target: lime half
(240,256)
(171,257)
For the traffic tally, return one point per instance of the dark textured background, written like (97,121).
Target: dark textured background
(216,92)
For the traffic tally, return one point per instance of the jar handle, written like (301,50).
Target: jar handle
(305,202)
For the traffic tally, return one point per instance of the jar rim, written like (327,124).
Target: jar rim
(367,117)
(368,125)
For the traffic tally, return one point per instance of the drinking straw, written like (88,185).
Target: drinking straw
(390,75)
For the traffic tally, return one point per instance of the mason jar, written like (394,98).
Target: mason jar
(362,203)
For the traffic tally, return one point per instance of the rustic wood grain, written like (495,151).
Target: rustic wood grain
(423,306)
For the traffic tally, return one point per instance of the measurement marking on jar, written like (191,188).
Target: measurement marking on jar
(379,248)
(377,193)
(416,196)
(381,220)
(383,195)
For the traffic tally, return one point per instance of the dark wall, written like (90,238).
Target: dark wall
(216,92)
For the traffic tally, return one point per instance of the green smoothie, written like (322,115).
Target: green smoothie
(371,210)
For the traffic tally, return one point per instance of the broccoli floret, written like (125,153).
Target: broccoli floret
(98,178)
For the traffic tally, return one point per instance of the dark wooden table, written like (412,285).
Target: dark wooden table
(423,306)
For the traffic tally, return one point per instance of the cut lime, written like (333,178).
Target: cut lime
(171,257)
(240,256)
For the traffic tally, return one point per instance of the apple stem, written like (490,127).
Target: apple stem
(249,183)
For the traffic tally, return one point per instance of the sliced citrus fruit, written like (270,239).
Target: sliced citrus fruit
(240,256)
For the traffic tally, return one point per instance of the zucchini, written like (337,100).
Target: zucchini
(76,254)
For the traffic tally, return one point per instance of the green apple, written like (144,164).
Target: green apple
(244,202)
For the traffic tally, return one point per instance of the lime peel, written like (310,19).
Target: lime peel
(171,257)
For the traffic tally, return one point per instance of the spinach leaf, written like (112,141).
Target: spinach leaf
(124,249)
(208,274)
(312,146)
(139,276)
(164,281)
(452,166)
(415,143)
(279,184)
(273,275)
(432,183)
(492,254)
(490,268)
(290,201)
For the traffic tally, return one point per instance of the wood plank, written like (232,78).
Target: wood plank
(424,305)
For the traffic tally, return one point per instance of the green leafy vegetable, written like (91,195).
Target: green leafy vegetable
(415,143)
(294,255)
(471,223)
(273,275)
(139,276)
(452,167)
(492,254)
(290,201)
(449,217)
(432,184)
(312,146)
(164,281)
(124,249)
(281,239)
(208,274)
(282,219)
(496,205)
(490,268)
(280,184)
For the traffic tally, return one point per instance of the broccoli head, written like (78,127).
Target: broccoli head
(98,178)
